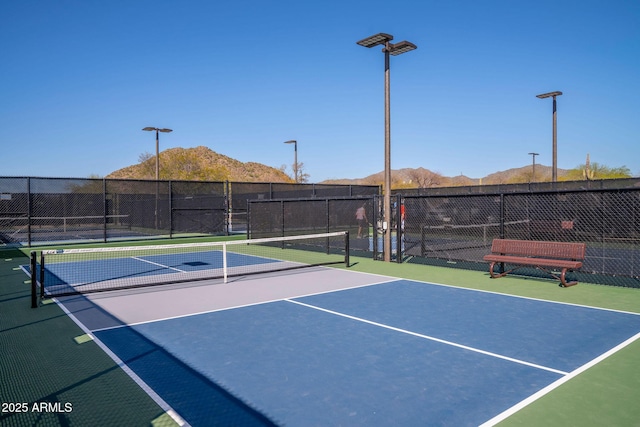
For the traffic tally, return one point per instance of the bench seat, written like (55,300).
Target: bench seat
(566,256)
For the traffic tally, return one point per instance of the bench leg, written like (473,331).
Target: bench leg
(494,275)
(563,280)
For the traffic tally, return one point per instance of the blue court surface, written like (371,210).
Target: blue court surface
(90,271)
(331,347)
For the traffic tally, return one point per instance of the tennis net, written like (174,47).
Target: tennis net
(86,270)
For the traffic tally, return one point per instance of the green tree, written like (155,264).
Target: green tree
(596,171)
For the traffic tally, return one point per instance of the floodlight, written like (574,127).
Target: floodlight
(375,40)
(550,94)
(401,47)
(148,128)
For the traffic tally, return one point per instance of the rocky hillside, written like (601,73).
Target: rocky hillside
(201,164)
(420,177)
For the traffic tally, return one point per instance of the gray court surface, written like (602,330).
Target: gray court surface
(127,307)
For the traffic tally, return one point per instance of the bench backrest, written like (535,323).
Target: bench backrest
(534,248)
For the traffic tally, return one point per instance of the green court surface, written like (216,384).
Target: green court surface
(47,358)
(45,361)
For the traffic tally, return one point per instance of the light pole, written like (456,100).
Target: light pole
(533,171)
(554,169)
(388,49)
(157,166)
(295,157)
(157,147)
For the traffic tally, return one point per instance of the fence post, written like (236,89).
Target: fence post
(282,224)
(104,209)
(502,215)
(227,208)
(248,210)
(376,202)
(170,209)
(328,216)
(29,212)
(399,230)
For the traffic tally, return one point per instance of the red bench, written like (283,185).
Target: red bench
(567,256)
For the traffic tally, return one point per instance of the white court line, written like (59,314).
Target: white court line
(180,316)
(404,331)
(143,385)
(504,415)
(159,265)
(484,291)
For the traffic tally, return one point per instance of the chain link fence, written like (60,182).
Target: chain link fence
(51,210)
(455,227)
(240,193)
(532,187)
(285,217)
(458,229)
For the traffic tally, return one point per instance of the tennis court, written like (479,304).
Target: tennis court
(327,346)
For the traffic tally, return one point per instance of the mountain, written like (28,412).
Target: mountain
(420,177)
(204,164)
(543,173)
(200,164)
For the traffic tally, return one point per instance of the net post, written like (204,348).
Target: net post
(346,249)
(224,261)
(34,286)
(41,275)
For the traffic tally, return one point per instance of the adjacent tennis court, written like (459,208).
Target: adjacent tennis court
(326,346)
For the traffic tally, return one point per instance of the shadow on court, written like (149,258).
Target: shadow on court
(189,393)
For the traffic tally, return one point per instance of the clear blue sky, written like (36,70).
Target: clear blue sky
(79,79)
